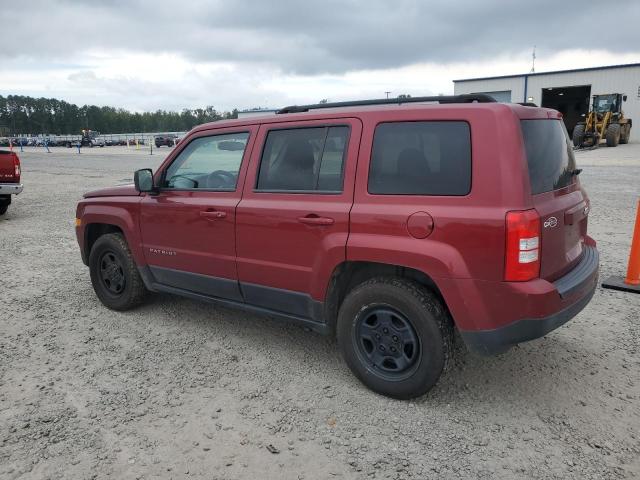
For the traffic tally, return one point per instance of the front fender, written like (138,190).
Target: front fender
(120,212)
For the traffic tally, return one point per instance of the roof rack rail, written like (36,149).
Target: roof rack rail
(466,98)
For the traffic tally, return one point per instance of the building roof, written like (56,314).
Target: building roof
(606,67)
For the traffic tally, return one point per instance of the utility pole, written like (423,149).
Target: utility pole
(387,93)
(533,60)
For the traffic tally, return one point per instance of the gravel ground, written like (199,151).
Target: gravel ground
(179,389)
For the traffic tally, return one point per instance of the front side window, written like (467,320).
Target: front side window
(421,158)
(209,163)
(304,159)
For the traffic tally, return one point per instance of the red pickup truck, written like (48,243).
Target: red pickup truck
(388,225)
(9,178)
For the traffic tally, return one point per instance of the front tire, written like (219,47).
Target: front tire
(114,275)
(613,135)
(395,336)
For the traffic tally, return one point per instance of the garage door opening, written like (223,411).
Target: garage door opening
(572,102)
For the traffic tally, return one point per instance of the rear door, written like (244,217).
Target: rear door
(293,220)
(557,195)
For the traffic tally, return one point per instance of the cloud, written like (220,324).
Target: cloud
(145,55)
(315,37)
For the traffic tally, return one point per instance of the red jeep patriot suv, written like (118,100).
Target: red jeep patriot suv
(386,224)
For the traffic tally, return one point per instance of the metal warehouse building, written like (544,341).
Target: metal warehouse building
(568,91)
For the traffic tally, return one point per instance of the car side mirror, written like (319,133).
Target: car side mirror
(624,98)
(143,180)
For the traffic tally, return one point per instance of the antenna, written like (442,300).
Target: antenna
(533,60)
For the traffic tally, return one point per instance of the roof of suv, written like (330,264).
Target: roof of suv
(377,110)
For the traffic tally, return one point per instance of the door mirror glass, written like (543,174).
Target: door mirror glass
(143,180)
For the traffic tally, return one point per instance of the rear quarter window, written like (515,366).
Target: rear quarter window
(549,155)
(421,158)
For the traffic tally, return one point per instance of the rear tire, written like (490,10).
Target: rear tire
(625,134)
(613,135)
(5,201)
(578,134)
(114,274)
(395,336)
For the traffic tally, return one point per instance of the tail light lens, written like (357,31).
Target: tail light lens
(16,167)
(522,255)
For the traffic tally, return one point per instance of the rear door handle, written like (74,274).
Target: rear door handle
(213,214)
(316,220)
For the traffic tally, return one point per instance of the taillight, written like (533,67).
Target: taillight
(16,167)
(522,256)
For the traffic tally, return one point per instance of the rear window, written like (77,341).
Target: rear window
(421,158)
(549,155)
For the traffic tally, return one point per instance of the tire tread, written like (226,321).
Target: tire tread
(613,135)
(137,290)
(431,304)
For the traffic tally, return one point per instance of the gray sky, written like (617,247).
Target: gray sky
(144,55)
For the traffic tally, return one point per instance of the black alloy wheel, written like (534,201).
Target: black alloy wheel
(387,341)
(112,273)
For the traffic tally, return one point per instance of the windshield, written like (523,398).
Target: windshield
(604,103)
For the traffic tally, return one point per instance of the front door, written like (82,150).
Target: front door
(188,228)
(293,220)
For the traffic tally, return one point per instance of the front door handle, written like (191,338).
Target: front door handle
(316,220)
(213,214)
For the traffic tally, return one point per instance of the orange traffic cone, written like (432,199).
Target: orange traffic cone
(631,283)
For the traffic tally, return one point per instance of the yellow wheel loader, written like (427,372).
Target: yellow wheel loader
(605,122)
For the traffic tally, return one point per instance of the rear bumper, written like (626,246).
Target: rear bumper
(10,188)
(538,307)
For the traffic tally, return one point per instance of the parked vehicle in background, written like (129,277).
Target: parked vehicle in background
(605,122)
(9,178)
(389,223)
(98,142)
(165,139)
(90,138)
(45,141)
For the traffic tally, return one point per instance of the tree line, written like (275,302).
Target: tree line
(27,115)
